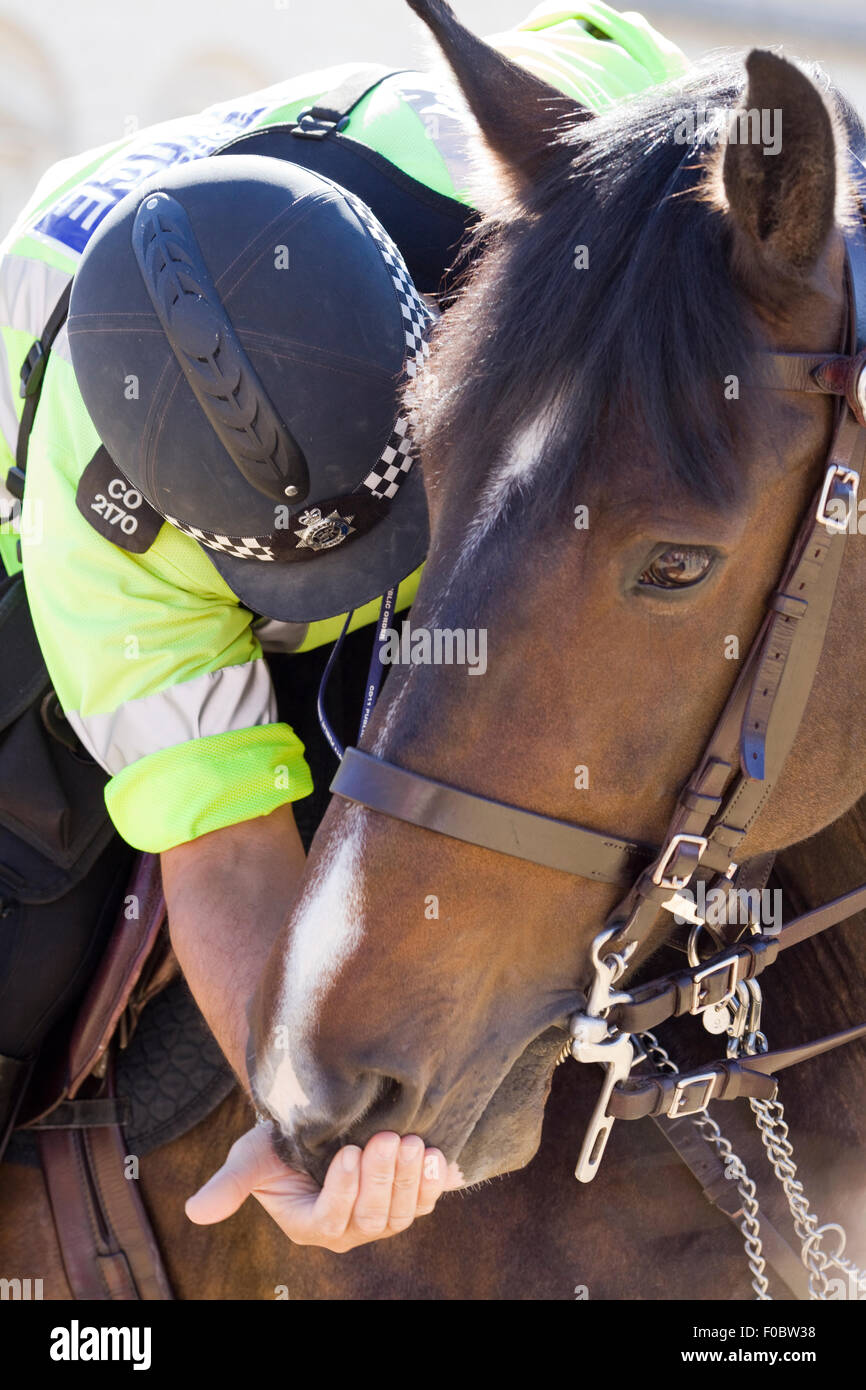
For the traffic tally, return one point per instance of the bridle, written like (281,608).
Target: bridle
(719,803)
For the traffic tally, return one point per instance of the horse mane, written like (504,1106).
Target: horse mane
(647,334)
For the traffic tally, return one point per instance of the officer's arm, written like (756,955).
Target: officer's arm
(228,894)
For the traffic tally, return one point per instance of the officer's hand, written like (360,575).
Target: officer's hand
(366,1196)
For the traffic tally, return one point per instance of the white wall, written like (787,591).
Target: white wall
(76,73)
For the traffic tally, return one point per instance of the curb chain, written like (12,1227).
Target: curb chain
(773,1129)
(735,1171)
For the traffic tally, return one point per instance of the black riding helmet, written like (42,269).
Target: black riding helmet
(239,330)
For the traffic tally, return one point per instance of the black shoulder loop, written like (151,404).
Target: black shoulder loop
(331,112)
(32,375)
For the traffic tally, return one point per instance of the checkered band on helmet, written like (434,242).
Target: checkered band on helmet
(416,315)
(241,547)
(396,459)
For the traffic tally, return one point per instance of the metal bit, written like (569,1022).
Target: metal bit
(592,1041)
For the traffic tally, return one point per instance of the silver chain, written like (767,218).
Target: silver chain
(773,1128)
(735,1171)
(740,1017)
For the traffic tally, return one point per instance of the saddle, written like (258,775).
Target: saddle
(106,1241)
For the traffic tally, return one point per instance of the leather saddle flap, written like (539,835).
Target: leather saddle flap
(130,947)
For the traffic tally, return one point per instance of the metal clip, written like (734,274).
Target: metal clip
(593,1042)
(739,1016)
(608,969)
(744,1033)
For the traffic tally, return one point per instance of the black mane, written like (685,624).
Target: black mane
(647,334)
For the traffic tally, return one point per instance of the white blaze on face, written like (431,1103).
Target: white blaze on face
(327,931)
(516,469)
(286,1093)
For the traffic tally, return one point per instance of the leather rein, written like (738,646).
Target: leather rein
(740,765)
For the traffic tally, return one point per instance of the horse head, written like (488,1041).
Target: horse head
(612,499)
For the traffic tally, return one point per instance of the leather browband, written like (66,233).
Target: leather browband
(827,374)
(494,825)
(794,371)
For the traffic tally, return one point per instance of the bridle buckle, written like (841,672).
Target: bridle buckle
(680,1103)
(846,478)
(714,968)
(673,883)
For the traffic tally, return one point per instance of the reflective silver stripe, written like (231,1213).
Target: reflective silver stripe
(445,117)
(275,636)
(234,698)
(8,417)
(29,290)
(60,346)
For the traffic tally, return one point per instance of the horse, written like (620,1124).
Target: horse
(427,984)
(630,283)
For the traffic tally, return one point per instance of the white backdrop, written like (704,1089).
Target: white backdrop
(77,73)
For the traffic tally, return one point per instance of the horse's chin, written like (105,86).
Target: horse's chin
(507,1134)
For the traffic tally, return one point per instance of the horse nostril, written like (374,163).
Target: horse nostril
(387,1107)
(372,1096)
(385,1100)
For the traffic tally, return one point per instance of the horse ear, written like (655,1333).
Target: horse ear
(517,113)
(779,173)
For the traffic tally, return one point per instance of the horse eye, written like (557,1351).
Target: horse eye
(677,567)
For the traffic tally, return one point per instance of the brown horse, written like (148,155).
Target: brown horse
(425,983)
(422,983)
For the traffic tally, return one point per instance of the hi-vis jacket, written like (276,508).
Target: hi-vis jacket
(155,663)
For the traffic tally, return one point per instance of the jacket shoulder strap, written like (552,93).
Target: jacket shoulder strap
(331,112)
(32,375)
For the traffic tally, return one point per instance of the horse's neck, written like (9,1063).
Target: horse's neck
(830,863)
(819,987)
